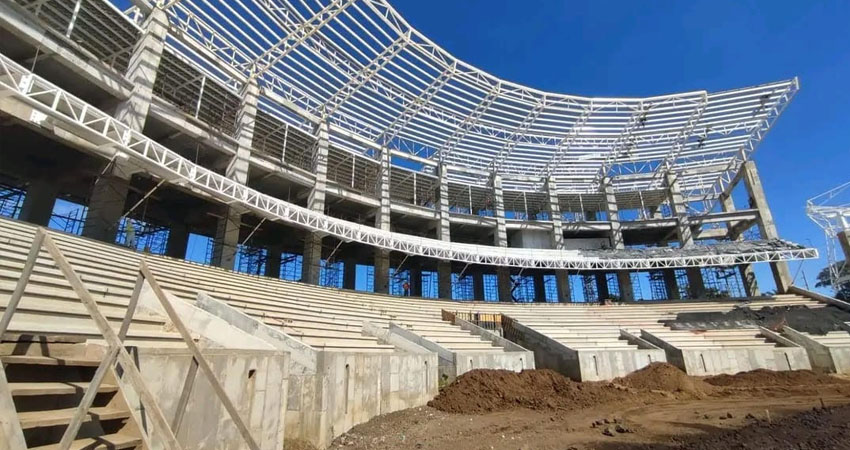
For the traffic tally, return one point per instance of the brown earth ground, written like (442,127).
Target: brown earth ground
(658,407)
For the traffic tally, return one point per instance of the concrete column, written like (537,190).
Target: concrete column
(273,261)
(504,283)
(142,70)
(310,265)
(444,230)
(561,276)
(501,238)
(671,284)
(477,283)
(539,287)
(226,239)
(444,279)
(316,202)
(382,222)
(696,284)
(349,273)
(767,227)
(562,281)
(382,271)
(748,276)
(106,205)
(624,280)
(627,289)
(683,232)
(415,280)
(178,239)
(39,201)
(602,286)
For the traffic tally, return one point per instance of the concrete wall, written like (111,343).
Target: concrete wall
(822,358)
(582,365)
(731,360)
(330,392)
(255,382)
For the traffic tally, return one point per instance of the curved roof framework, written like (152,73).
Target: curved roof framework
(361,66)
(53,106)
(831,211)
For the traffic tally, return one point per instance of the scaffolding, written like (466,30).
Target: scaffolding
(11,201)
(463,287)
(142,236)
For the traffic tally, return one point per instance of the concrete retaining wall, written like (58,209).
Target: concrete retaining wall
(515,357)
(330,392)
(584,365)
(731,360)
(254,380)
(823,358)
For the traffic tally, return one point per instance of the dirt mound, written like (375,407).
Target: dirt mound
(762,377)
(480,391)
(801,318)
(664,377)
(809,430)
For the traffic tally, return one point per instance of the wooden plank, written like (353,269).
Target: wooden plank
(188,384)
(49,418)
(55,388)
(83,408)
(109,441)
(202,362)
(35,360)
(131,308)
(10,428)
(18,293)
(130,369)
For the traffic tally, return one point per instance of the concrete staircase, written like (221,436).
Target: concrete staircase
(47,382)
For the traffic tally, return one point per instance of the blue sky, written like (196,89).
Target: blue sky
(629,48)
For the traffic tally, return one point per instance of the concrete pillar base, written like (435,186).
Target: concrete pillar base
(349,273)
(562,281)
(444,279)
(602,292)
(38,202)
(505,284)
(478,284)
(382,269)
(310,265)
(671,284)
(226,239)
(539,288)
(178,239)
(696,285)
(273,261)
(415,280)
(627,291)
(106,207)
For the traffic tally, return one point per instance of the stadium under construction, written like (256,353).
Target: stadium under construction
(289,193)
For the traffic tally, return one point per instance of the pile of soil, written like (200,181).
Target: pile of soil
(809,430)
(761,378)
(817,321)
(665,377)
(482,391)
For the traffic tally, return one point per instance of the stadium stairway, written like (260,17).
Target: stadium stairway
(47,380)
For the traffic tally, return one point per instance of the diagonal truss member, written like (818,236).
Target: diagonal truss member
(519,131)
(364,75)
(566,143)
(416,105)
(304,30)
(470,121)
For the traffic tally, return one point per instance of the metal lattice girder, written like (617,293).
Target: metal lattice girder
(335,101)
(303,31)
(424,101)
(831,212)
(52,105)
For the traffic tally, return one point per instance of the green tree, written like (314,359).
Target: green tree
(842,292)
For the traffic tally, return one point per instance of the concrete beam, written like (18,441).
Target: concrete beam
(767,227)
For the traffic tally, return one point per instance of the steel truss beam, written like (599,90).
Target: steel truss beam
(55,107)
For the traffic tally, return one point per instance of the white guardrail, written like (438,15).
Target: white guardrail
(104,132)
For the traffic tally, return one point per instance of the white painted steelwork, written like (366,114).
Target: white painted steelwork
(831,211)
(54,108)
